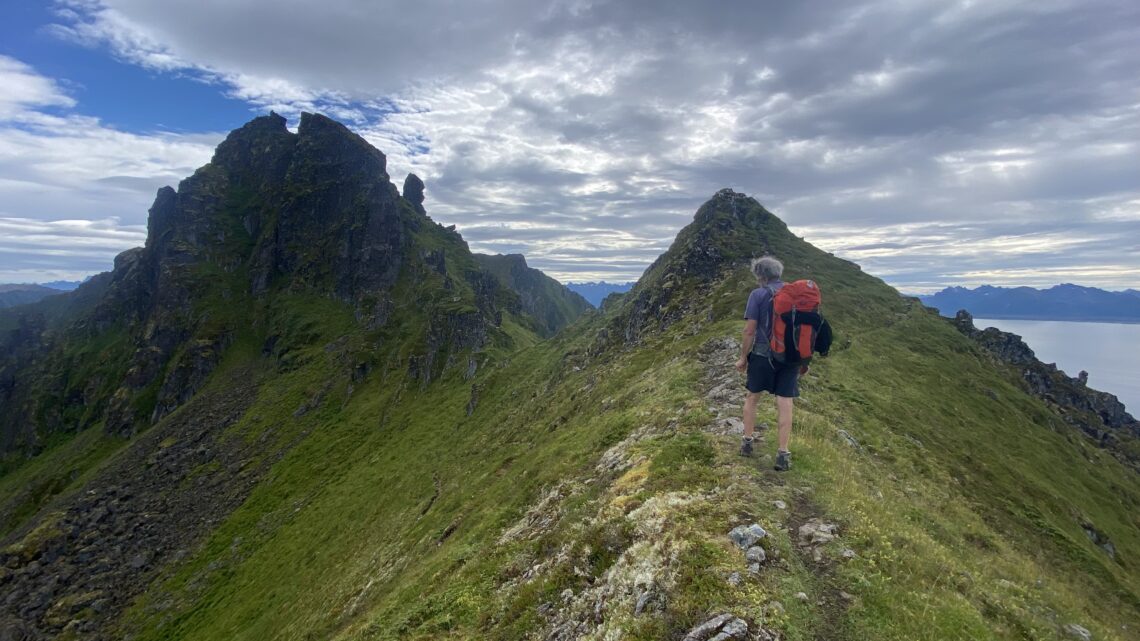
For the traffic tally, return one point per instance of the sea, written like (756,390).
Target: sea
(1109,352)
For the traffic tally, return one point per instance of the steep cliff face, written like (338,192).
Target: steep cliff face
(274,212)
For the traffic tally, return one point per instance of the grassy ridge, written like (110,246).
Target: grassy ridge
(963,502)
(557,488)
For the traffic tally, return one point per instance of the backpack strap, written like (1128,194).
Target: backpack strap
(761,347)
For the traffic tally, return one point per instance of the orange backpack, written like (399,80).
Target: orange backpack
(795,322)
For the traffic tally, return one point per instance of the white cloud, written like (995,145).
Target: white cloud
(38,251)
(73,192)
(586,134)
(24,89)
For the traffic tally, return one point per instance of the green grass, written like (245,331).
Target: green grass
(64,467)
(396,515)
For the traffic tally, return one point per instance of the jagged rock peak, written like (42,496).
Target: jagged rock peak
(743,207)
(414,192)
(160,216)
(260,127)
(335,147)
(729,227)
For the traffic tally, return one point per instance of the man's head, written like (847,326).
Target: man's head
(767,269)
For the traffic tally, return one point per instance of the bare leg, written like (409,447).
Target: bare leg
(750,413)
(784,413)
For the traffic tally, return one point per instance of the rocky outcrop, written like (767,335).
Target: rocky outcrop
(727,231)
(1099,415)
(336,223)
(312,211)
(414,192)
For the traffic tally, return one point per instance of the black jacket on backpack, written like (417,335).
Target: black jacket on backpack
(823,340)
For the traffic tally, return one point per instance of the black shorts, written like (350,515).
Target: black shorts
(776,378)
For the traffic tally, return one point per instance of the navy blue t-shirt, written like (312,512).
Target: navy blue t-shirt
(759,309)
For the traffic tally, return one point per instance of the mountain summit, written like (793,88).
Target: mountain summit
(274,213)
(306,410)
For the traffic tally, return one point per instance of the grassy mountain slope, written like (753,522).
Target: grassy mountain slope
(584,486)
(579,485)
(281,240)
(551,303)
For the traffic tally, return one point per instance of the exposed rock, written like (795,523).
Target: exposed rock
(101,548)
(733,425)
(722,627)
(473,402)
(745,536)
(414,192)
(755,554)
(1099,415)
(1100,539)
(847,438)
(734,629)
(1075,631)
(541,516)
(815,532)
(15,630)
(650,599)
(619,456)
(139,560)
(725,231)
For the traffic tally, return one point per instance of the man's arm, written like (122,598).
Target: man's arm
(746,342)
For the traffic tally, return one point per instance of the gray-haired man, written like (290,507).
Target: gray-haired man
(764,375)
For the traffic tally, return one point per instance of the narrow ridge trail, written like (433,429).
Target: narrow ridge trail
(724,391)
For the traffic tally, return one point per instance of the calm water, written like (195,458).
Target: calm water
(1109,352)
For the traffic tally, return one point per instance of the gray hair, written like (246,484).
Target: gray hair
(767,268)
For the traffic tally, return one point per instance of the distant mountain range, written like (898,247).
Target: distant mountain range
(1061,302)
(597,292)
(65,285)
(12,295)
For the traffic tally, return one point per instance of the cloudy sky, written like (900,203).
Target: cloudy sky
(934,142)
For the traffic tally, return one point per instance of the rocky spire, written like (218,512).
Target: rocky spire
(414,192)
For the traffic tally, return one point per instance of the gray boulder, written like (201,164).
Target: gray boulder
(745,536)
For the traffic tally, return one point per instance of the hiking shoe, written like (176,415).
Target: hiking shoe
(783,461)
(746,447)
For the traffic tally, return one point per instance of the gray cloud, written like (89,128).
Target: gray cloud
(906,136)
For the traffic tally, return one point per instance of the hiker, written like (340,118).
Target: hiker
(764,373)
